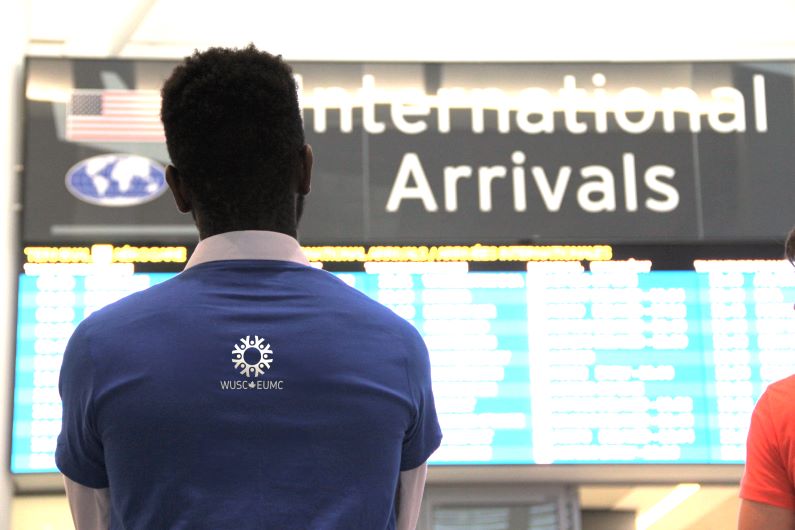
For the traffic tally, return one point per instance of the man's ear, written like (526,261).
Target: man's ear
(307,159)
(178,189)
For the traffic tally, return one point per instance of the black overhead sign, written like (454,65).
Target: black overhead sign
(446,153)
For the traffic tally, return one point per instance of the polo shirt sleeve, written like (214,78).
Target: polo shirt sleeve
(424,434)
(766,478)
(79,453)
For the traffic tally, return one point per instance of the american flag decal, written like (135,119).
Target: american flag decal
(114,116)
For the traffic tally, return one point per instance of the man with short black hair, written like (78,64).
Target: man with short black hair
(251,390)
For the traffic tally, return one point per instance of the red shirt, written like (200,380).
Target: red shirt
(770,464)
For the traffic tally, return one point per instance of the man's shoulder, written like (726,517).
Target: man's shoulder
(325,293)
(132,307)
(334,289)
(782,392)
(776,405)
(359,305)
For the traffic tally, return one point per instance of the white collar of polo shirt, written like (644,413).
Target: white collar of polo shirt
(247,244)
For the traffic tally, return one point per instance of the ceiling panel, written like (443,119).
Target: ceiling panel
(428,31)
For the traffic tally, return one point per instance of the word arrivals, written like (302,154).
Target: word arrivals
(596,189)
(231,384)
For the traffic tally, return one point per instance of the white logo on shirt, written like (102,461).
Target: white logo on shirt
(252,356)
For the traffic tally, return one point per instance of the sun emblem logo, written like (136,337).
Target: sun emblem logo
(252,356)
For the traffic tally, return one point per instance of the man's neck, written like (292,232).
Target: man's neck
(282,220)
(204,234)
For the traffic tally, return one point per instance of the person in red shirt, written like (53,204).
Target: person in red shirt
(768,485)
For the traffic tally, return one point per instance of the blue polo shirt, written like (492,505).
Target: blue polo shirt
(246,394)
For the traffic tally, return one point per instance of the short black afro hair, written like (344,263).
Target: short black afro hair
(234,132)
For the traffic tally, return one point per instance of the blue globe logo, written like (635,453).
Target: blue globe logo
(116,180)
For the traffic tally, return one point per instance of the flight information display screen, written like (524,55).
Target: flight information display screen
(480,202)
(540,362)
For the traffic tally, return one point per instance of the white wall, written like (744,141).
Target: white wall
(441,30)
(13,27)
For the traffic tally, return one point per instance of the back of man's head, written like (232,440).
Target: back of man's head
(234,133)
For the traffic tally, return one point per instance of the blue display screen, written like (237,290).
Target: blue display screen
(553,365)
